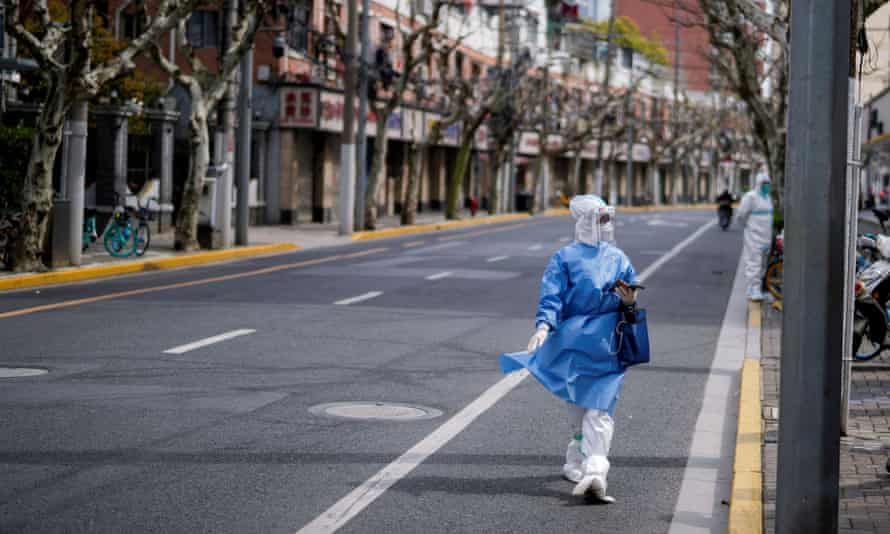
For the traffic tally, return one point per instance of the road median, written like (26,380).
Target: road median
(91,272)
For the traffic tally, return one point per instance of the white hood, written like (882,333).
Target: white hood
(594,220)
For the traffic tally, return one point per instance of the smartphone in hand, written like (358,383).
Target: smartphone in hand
(622,283)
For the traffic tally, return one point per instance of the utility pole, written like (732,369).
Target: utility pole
(601,165)
(812,326)
(362,134)
(629,117)
(674,132)
(347,143)
(245,122)
(224,153)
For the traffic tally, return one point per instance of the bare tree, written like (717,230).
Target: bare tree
(62,47)
(737,31)
(206,88)
(418,33)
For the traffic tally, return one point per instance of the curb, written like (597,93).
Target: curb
(434,227)
(746,499)
(129,267)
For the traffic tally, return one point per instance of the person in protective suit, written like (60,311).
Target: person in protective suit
(585,289)
(756,216)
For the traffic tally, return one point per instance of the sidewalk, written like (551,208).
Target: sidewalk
(864,484)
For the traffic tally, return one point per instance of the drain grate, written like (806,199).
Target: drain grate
(389,411)
(21,372)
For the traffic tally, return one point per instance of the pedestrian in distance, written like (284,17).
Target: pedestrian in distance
(756,216)
(589,287)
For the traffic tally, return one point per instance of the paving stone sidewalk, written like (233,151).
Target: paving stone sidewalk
(865,484)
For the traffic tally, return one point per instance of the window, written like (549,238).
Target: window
(298,25)
(627,58)
(132,25)
(203,29)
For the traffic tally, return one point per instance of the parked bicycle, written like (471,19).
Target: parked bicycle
(775,267)
(127,232)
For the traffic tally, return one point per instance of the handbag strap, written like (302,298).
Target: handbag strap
(620,333)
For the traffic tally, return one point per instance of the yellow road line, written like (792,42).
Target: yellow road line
(435,227)
(482,232)
(202,281)
(746,500)
(130,267)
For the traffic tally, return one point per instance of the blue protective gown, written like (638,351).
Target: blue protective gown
(576,362)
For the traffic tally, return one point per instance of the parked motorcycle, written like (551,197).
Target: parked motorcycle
(872,293)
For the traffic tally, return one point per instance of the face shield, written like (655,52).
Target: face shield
(594,221)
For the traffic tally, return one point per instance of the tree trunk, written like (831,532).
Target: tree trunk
(495,185)
(409,204)
(574,185)
(37,194)
(457,175)
(654,187)
(377,175)
(187,220)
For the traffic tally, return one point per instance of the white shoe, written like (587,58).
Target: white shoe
(593,484)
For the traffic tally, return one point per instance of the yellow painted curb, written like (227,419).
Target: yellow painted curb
(754,320)
(434,227)
(556,212)
(746,500)
(130,267)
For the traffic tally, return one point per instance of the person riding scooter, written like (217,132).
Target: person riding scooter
(724,209)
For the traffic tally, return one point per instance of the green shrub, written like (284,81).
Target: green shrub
(16,142)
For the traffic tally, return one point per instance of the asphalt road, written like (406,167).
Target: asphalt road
(121,436)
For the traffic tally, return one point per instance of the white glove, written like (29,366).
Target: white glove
(538,339)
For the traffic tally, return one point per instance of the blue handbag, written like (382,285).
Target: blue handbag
(632,335)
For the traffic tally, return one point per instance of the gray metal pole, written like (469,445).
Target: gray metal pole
(362,135)
(245,121)
(227,116)
(601,165)
(674,166)
(73,183)
(629,156)
(812,326)
(347,143)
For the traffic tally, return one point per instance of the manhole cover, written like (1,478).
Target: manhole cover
(391,411)
(19,372)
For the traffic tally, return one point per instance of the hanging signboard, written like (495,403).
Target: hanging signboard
(298,107)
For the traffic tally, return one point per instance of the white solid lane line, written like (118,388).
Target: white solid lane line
(359,298)
(497,258)
(674,251)
(358,499)
(565,239)
(439,276)
(208,341)
(535,247)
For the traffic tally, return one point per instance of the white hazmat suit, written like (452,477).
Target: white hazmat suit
(756,215)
